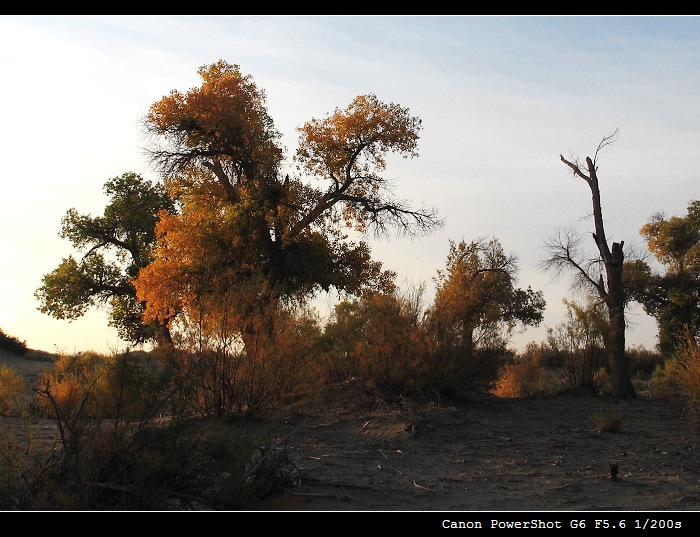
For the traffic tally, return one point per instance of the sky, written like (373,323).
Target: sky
(500,99)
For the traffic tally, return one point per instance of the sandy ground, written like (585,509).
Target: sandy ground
(497,455)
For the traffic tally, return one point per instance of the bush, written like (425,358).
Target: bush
(118,450)
(124,384)
(12,344)
(607,421)
(664,380)
(380,341)
(687,372)
(462,371)
(527,375)
(12,386)
(111,465)
(643,361)
(221,377)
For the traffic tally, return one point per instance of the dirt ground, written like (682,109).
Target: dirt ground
(485,454)
(494,454)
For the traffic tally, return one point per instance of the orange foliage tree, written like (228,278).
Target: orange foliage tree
(476,301)
(476,308)
(247,230)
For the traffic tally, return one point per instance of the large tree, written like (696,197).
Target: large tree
(673,297)
(116,246)
(247,230)
(603,275)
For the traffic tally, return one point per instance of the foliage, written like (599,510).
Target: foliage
(12,386)
(644,361)
(475,310)
(456,345)
(664,380)
(121,385)
(476,303)
(133,446)
(117,246)
(244,227)
(528,375)
(379,339)
(389,346)
(580,339)
(221,379)
(24,459)
(673,298)
(679,376)
(385,341)
(12,344)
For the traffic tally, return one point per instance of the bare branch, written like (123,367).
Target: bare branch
(564,253)
(608,140)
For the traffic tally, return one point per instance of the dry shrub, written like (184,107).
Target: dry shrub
(25,456)
(124,384)
(379,342)
(687,371)
(68,380)
(177,464)
(225,375)
(607,421)
(12,387)
(526,376)
(584,368)
(664,380)
(140,459)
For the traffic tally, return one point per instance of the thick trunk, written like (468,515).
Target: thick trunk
(621,385)
(162,336)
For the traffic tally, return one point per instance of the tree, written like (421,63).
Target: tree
(603,275)
(476,301)
(125,233)
(248,228)
(673,298)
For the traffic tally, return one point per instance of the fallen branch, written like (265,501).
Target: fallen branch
(422,487)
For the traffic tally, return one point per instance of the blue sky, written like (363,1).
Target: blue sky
(500,99)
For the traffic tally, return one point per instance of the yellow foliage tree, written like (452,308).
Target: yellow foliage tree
(246,228)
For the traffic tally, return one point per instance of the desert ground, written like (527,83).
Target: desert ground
(352,453)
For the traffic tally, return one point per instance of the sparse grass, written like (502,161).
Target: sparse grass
(607,421)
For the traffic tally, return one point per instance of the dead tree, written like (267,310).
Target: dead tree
(609,281)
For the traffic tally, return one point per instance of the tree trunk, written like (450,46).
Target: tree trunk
(621,385)
(162,336)
(614,296)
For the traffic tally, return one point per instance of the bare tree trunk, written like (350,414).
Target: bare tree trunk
(614,294)
(621,384)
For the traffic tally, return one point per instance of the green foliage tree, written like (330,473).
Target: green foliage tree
(246,226)
(117,246)
(673,298)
